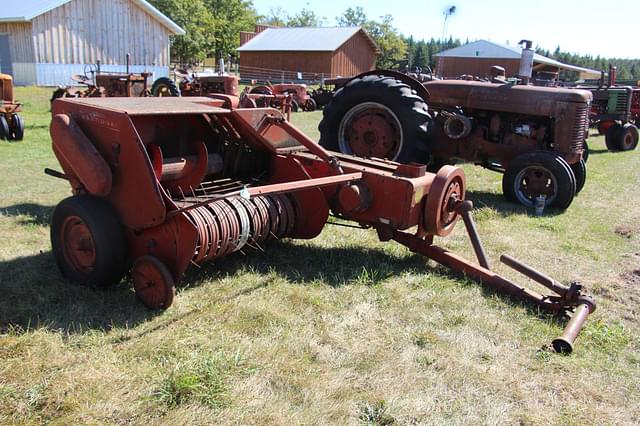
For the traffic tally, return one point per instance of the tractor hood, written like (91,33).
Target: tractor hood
(534,100)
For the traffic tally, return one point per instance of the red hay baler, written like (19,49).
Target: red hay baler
(159,184)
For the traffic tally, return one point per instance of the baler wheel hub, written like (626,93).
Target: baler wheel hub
(78,248)
(153,282)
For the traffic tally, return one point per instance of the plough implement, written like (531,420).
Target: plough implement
(160,184)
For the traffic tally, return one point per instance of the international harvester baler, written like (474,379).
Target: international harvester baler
(159,184)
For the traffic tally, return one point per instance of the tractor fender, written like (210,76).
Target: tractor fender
(406,79)
(78,157)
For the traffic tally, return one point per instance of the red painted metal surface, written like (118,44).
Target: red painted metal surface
(192,183)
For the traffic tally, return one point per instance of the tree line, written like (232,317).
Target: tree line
(213,28)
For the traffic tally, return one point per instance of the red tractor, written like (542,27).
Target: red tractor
(300,98)
(11,124)
(98,83)
(196,84)
(535,136)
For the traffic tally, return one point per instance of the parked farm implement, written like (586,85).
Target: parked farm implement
(160,184)
(99,84)
(300,98)
(11,124)
(195,84)
(615,112)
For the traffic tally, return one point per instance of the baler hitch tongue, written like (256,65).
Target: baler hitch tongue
(568,298)
(565,299)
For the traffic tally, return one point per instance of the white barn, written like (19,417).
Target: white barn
(44,42)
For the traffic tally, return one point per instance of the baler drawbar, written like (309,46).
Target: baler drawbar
(161,183)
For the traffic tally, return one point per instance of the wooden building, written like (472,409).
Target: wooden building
(476,59)
(289,54)
(45,42)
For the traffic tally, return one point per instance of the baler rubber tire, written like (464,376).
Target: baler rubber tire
(96,219)
(410,111)
(555,165)
(166,83)
(17,128)
(579,170)
(153,283)
(4,128)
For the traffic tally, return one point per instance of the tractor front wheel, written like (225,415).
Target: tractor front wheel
(16,129)
(579,170)
(310,105)
(585,151)
(4,128)
(377,116)
(539,173)
(622,138)
(88,241)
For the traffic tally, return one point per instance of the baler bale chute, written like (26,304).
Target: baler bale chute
(159,184)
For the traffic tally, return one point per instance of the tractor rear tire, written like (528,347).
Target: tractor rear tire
(535,173)
(164,87)
(4,128)
(88,241)
(16,130)
(579,170)
(377,116)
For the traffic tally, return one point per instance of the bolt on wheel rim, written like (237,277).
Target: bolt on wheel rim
(371,129)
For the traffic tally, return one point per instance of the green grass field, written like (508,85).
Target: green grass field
(342,329)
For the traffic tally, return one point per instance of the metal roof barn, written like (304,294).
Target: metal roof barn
(477,57)
(45,42)
(308,53)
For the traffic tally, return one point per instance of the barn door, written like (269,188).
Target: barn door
(5,55)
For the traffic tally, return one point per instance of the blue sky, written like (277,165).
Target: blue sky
(586,27)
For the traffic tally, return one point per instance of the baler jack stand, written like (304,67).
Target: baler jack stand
(566,298)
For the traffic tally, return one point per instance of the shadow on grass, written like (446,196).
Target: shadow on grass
(306,264)
(598,151)
(500,204)
(36,296)
(33,214)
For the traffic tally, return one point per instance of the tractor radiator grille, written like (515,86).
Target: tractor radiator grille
(621,102)
(580,127)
